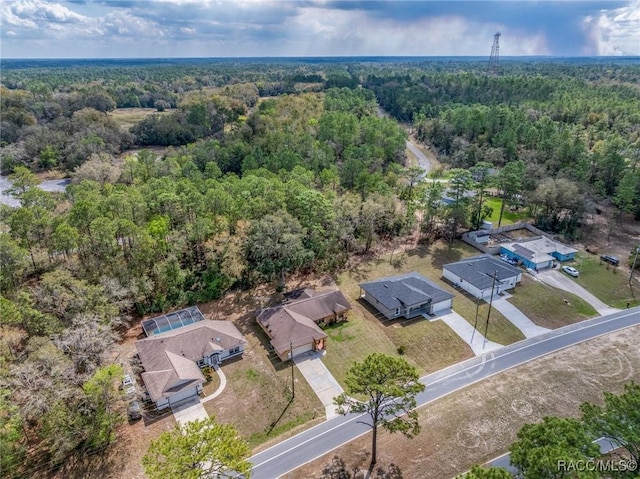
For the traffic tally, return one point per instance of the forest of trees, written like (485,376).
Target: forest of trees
(268,170)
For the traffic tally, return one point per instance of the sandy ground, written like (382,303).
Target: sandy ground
(625,233)
(479,423)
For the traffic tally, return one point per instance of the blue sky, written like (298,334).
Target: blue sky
(228,28)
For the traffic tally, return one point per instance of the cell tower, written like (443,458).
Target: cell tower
(494,60)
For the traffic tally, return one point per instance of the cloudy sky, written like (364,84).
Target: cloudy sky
(228,28)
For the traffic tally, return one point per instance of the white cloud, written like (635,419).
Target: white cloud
(307,28)
(353,32)
(34,13)
(614,32)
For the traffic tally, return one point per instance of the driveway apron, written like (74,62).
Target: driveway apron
(558,280)
(518,319)
(189,410)
(478,343)
(320,379)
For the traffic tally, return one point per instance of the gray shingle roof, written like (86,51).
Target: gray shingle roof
(478,270)
(405,290)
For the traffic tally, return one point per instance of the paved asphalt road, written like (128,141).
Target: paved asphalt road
(323,438)
(423,161)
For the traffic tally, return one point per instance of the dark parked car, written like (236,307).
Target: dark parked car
(607,258)
(134,412)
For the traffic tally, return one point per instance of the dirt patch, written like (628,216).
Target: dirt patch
(480,422)
(610,234)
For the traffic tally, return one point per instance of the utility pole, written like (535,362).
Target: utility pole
(475,325)
(293,382)
(633,266)
(486,328)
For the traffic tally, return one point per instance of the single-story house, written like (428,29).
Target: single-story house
(475,275)
(172,360)
(538,253)
(408,295)
(294,327)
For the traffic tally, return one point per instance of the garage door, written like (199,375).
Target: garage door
(187,393)
(441,305)
(302,349)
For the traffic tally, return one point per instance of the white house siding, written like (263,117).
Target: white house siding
(442,305)
(380,307)
(471,289)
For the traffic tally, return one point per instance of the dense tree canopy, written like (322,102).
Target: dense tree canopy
(254,172)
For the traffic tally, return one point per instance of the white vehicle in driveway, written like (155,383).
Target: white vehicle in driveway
(571,271)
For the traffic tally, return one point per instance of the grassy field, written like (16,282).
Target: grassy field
(430,345)
(127,117)
(508,217)
(480,422)
(608,283)
(546,306)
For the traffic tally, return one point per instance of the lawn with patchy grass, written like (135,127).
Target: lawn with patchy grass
(508,217)
(354,340)
(128,117)
(547,306)
(606,282)
(430,345)
(481,421)
(257,399)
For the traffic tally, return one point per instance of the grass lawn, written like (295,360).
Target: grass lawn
(128,117)
(508,217)
(608,283)
(257,397)
(545,305)
(430,345)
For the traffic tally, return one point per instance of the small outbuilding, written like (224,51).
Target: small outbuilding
(475,275)
(408,295)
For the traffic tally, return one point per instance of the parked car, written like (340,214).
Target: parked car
(607,258)
(506,259)
(134,411)
(571,271)
(127,381)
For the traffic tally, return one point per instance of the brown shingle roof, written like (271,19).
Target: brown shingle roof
(169,359)
(294,323)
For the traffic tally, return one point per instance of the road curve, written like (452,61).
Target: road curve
(323,438)
(423,161)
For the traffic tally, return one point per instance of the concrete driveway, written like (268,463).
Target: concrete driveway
(320,379)
(562,281)
(518,318)
(189,410)
(478,343)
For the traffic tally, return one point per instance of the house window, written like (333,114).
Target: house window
(397,311)
(234,350)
